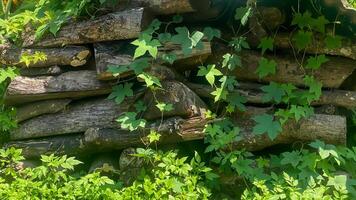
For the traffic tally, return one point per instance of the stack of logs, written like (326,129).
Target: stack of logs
(62,104)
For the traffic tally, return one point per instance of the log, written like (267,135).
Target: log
(288,70)
(71,55)
(121,25)
(35,109)
(348,47)
(130,166)
(41,71)
(329,128)
(102,113)
(72,84)
(120,53)
(253,94)
(106,164)
(344,8)
(160,7)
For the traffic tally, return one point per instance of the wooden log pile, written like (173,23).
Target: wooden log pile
(62,104)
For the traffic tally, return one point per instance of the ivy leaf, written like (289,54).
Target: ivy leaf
(210,33)
(293,158)
(266,43)
(236,101)
(9,72)
(333,42)
(170,58)
(219,94)
(209,72)
(164,37)
(242,14)
(319,24)
(314,87)
(231,61)
(266,124)
(302,20)
(145,44)
(163,107)
(266,67)
(150,80)
(300,111)
(116,70)
(140,106)
(196,37)
(302,39)
(316,61)
(229,82)
(128,121)
(273,91)
(183,38)
(238,43)
(139,65)
(177,19)
(153,136)
(121,91)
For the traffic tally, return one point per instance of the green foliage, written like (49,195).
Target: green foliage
(266,43)
(121,91)
(316,61)
(267,124)
(129,121)
(209,72)
(266,67)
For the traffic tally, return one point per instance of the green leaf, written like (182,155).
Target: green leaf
(231,61)
(242,14)
(177,19)
(8,73)
(302,20)
(163,107)
(333,42)
(210,33)
(150,80)
(128,121)
(209,72)
(338,181)
(316,61)
(274,92)
(196,37)
(219,94)
(314,88)
(319,23)
(236,101)
(121,91)
(300,111)
(164,37)
(186,41)
(144,44)
(228,82)
(293,158)
(302,39)
(266,124)
(266,67)
(153,136)
(140,106)
(170,58)
(266,43)
(238,43)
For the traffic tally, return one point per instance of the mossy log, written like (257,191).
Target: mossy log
(347,49)
(102,113)
(31,110)
(253,94)
(120,53)
(72,84)
(71,55)
(121,25)
(288,70)
(41,71)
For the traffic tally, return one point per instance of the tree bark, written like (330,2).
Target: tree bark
(288,70)
(160,7)
(347,49)
(41,71)
(344,8)
(73,84)
(32,110)
(72,55)
(102,113)
(253,94)
(120,53)
(126,24)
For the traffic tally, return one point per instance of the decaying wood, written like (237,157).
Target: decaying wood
(73,84)
(253,94)
(121,25)
(130,166)
(107,164)
(288,70)
(71,55)
(344,8)
(120,53)
(31,110)
(41,71)
(162,7)
(102,113)
(347,49)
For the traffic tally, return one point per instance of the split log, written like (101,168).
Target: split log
(32,110)
(329,128)
(102,113)
(72,55)
(41,71)
(288,70)
(347,49)
(253,94)
(120,53)
(73,84)
(160,7)
(130,166)
(113,26)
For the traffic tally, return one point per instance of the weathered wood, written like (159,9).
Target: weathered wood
(120,53)
(288,70)
(344,8)
(161,7)
(121,25)
(347,49)
(31,110)
(328,128)
(41,71)
(102,113)
(71,55)
(73,84)
(107,164)
(253,94)
(130,166)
